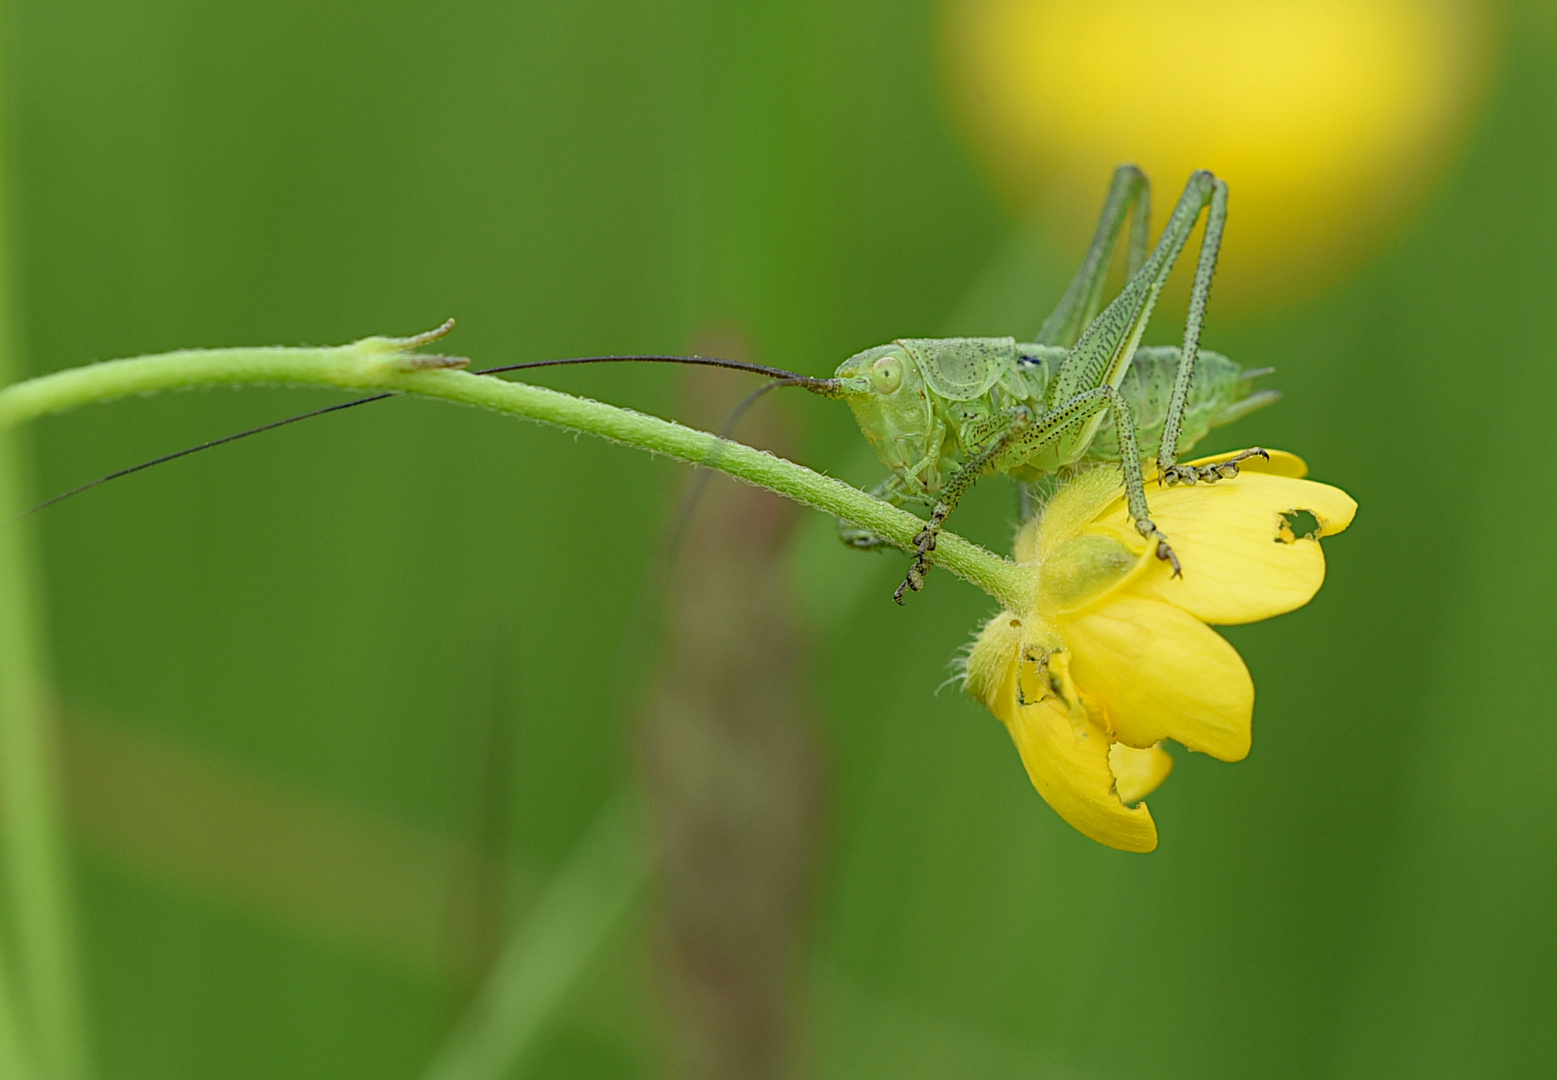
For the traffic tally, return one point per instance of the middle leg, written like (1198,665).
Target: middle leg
(1015,422)
(1074,414)
(1027,435)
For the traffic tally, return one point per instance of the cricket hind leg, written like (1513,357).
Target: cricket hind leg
(1087,380)
(1079,409)
(1168,470)
(1128,199)
(1106,348)
(1210,474)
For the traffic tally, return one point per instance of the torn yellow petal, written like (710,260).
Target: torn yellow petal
(1099,491)
(1161,674)
(1000,646)
(1138,773)
(1332,507)
(1071,771)
(1241,561)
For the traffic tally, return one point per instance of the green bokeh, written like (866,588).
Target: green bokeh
(1370,893)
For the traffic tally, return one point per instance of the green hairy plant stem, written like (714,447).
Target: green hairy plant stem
(387,364)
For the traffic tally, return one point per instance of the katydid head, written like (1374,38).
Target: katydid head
(886,389)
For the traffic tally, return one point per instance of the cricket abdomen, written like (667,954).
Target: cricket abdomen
(1220,393)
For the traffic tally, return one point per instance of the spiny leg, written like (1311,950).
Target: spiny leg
(1140,232)
(1168,470)
(1077,411)
(1129,197)
(1081,408)
(1016,421)
(1089,376)
(1103,352)
(897,489)
(1134,482)
(1217,470)
(1024,435)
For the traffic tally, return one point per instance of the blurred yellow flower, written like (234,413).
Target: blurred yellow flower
(1326,117)
(1115,655)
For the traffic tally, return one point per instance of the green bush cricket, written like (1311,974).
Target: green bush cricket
(942,412)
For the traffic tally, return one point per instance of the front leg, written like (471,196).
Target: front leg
(1014,422)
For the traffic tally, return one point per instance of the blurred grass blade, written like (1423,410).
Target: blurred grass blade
(39,905)
(13,1056)
(549,950)
(29,802)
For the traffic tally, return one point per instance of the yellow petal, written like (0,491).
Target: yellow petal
(1161,673)
(1241,560)
(1070,769)
(1069,510)
(1138,773)
(1085,569)
(1280,463)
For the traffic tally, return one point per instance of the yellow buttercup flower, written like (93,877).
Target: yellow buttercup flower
(1115,654)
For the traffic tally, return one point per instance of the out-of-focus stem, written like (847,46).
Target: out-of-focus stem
(733,777)
(559,935)
(46,992)
(13,1054)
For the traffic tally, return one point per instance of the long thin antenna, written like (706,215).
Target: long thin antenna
(780,376)
(90,484)
(790,378)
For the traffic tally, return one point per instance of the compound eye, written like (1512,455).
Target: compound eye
(886,374)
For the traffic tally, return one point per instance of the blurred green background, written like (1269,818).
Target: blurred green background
(331,694)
